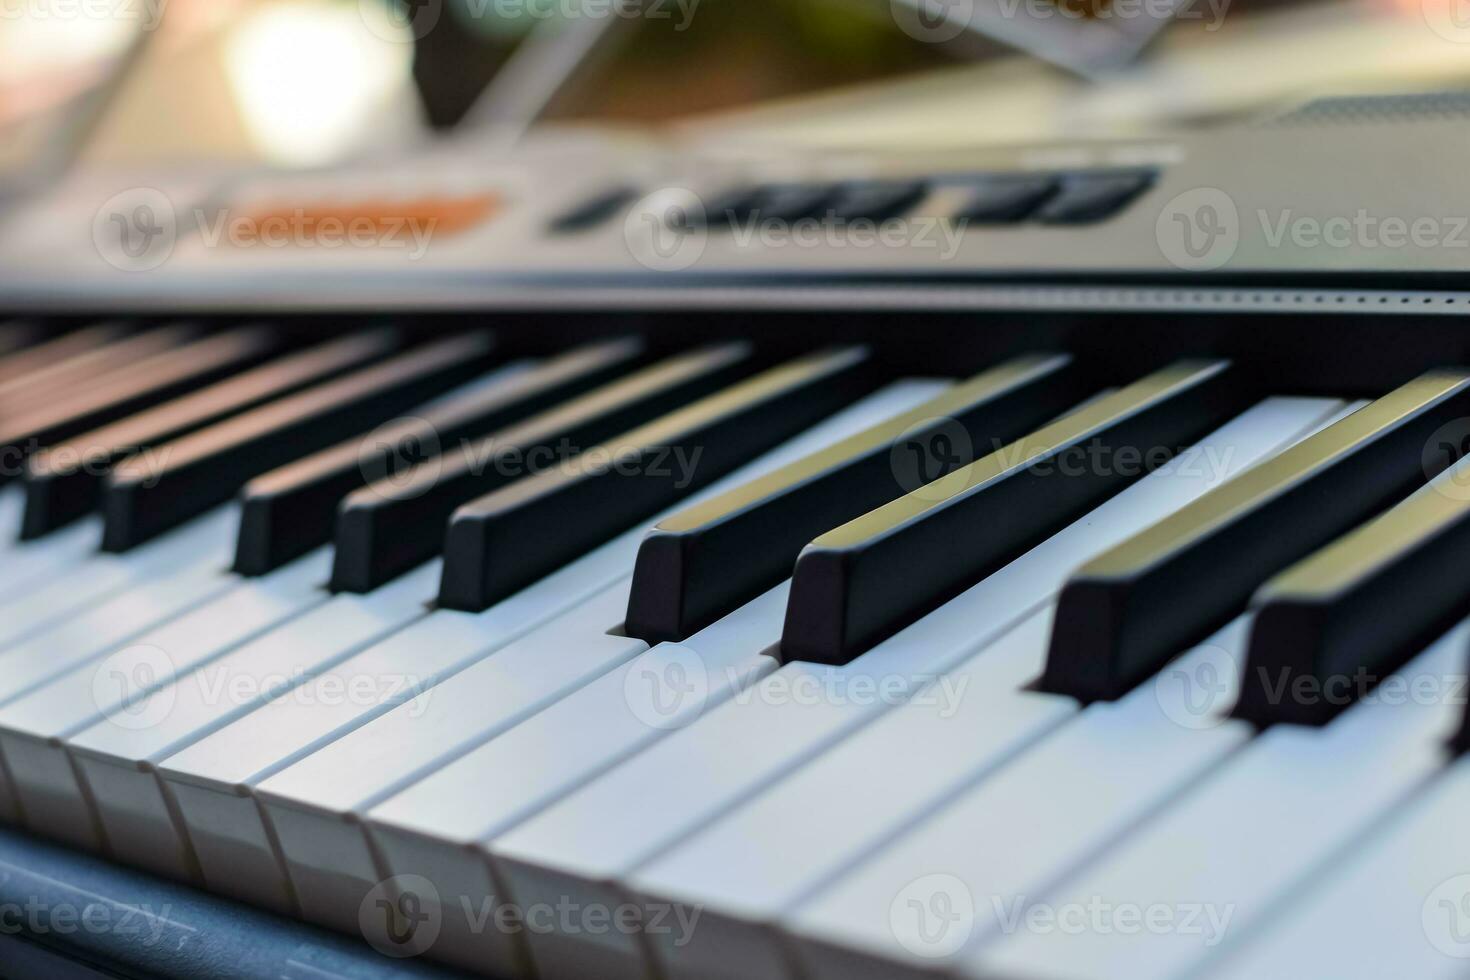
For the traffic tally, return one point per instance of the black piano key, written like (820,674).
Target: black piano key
(1129,610)
(16,335)
(506,540)
(390,526)
(1358,609)
(42,386)
(706,561)
(119,394)
(27,361)
(291,510)
(864,581)
(193,474)
(64,482)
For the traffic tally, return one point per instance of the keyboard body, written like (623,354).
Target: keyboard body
(1230,245)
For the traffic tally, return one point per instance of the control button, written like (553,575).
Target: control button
(773,202)
(1007,200)
(877,200)
(1085,198)
(593,211)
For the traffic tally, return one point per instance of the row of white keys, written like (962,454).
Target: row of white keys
(538,760)
(1213,865)
(1397,906)
(34,729)
(925,900)
(824,817)
(90,632)
(116,758)
(581,849)
(743,871)
(74,589)
(224,822)
(315,807)
(214,780)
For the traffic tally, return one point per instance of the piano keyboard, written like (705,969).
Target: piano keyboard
(632,660)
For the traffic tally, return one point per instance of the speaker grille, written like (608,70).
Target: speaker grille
(1365,110)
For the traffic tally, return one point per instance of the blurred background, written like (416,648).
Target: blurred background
(315,83)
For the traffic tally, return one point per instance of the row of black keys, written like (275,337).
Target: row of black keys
(238,412)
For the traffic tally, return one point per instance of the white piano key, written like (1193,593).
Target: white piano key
(581,848)
(597,570)
(210,536)
(12,512)
(1211,867)
(30,565)
(1024,826)
(91,632)
(34,728)
(534,762)
(117,758)
(316,805)
(1397,906)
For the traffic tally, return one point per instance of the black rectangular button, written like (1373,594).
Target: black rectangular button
(1007,200)
(876,201)
(704,562)
(773,202)
(864,581)
(503,542)
(202,470)
(1087,198)
(1129,610)
(595,210)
